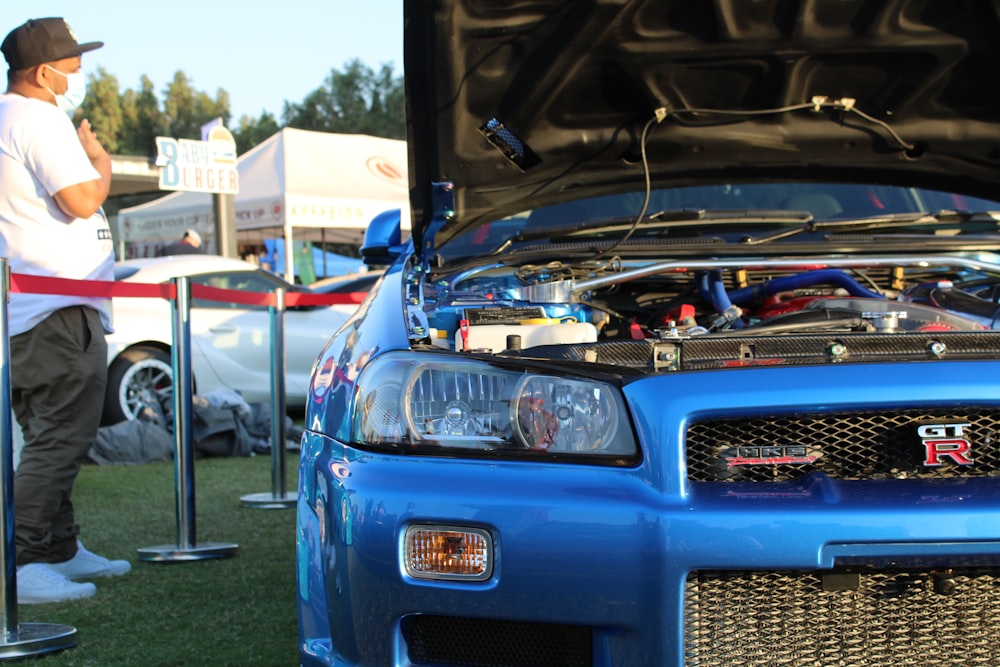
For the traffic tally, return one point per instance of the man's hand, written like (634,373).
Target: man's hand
(88,139)
(83,199)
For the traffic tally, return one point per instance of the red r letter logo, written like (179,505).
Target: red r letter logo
(957,450)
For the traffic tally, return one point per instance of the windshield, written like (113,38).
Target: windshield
(747,211)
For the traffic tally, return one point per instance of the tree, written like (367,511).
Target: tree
(355,101)
(102,108)
(185,110)
(249,131)
(142,120)
(392,123)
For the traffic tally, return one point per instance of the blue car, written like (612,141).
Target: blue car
(690,355)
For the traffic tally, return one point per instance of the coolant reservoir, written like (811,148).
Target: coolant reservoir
(493,337)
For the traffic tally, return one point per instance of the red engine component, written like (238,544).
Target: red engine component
(779,305)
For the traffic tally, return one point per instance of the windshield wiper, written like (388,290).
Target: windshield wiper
(790,222)
(661,220)
(681,218)
(888,221)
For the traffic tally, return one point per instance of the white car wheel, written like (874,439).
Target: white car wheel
(139,377)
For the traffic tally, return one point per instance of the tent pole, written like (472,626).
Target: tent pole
(322,245)
(289,269)
(224,208)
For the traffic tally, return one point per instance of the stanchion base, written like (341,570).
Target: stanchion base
(268,500)
(174,552)
(36,639)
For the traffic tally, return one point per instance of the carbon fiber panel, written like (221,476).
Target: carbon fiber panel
(724,351)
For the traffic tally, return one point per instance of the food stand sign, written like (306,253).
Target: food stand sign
(199,166)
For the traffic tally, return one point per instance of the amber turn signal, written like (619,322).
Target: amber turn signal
(448,553)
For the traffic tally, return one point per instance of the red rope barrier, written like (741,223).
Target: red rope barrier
(25,283)
(312,299)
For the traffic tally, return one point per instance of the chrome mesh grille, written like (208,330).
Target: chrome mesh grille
(892,618)
(854,445)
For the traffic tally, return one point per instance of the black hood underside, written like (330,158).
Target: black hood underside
(540,99)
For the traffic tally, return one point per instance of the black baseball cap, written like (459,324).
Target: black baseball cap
(40,41)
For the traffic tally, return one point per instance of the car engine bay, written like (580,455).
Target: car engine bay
(676,315)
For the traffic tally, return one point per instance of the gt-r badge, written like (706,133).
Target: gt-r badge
(945,441)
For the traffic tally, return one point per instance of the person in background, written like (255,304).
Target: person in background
(190,244)
(54,178)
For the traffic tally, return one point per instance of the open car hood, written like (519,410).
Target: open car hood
(549,100)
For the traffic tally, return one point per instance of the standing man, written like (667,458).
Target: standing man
(53,180)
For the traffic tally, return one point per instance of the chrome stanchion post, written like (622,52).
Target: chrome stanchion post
(25,639)
(187,547)
(278,497)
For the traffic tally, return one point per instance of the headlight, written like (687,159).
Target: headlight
(430,403)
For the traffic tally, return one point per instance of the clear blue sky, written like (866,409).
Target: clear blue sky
(262,52)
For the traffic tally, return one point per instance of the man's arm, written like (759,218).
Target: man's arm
(83,199)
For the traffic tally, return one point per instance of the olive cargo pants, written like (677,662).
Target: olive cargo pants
(58,375)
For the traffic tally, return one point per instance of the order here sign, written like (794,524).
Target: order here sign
(199,166)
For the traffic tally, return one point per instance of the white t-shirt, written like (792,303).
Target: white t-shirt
(40,154)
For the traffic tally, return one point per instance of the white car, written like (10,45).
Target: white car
(230,343)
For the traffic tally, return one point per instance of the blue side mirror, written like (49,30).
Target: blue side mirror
(382,243)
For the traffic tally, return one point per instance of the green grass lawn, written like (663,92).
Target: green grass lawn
(231,611)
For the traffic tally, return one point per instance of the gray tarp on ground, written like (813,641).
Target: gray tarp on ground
(133,441)
(224,424)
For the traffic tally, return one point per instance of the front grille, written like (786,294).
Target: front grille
(474,642)
(854,445)
(892,618)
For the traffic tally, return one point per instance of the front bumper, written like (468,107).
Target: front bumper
(639,566)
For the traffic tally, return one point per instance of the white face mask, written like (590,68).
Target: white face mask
(76,91)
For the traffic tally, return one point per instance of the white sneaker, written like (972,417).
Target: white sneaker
(86,564)
(37,583)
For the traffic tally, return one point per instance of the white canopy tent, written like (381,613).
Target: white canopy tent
(297,185)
